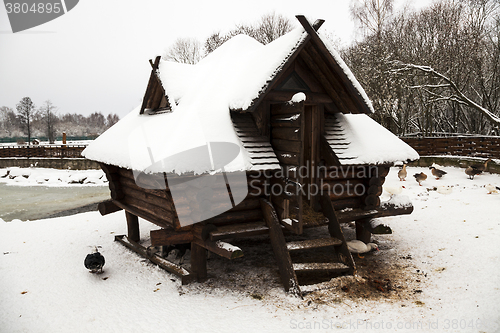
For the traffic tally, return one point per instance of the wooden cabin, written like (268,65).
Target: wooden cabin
(304,141)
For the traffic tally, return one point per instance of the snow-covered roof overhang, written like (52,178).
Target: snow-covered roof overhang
(357,139)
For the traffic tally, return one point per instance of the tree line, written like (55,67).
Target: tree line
(433,71)
(29,121)
(428,72)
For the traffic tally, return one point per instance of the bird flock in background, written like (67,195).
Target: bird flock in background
(471,171)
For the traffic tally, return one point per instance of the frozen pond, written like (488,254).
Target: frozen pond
(38,202)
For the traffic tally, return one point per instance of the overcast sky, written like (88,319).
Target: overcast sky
(95,57)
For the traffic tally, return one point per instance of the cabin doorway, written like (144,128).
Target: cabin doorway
(295,135)
(311,128)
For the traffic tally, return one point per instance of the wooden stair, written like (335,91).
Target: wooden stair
(297,258)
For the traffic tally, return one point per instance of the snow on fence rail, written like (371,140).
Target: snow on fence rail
(63,151)
(476,146)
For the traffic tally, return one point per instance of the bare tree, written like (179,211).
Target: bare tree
(270,27)
(49,119)
(185,50)
(9,123)
(25,113)
(447,90)
(372,15)
(112,119)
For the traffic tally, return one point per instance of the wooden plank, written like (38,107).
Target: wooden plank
(288,277)
(183,273)
(321,267)
(239,230)
(313,243)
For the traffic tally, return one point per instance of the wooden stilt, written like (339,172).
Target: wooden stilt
(132,227)
(198,262)
(362,234)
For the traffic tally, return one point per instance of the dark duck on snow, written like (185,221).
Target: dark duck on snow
(94,261)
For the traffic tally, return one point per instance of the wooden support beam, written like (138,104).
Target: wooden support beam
(336,231)
(132,227)
(288,276)
(362,234)
(198,262)
(107,207)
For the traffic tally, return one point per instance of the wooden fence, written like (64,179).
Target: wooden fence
(467,146)
(62,151)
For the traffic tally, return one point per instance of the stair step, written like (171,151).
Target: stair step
(313,243)
(320,266)
(239,230)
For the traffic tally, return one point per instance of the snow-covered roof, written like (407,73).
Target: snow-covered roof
(358,139)
(233,77)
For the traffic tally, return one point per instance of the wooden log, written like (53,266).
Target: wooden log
(164,194)
(202,231)
(185,276)
(138,212)
(372,200)
(143,196)
(132,227)
(221,248)
(150,208)
(288,276)
(165,237)
(107,207)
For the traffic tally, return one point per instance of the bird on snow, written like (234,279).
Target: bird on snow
(357,246)
(94,261)
(394,190)
(402,173)
(420,177)
(482,166)
(471,172)
(492,188)
(438,173)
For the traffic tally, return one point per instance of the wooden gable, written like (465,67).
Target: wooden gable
(312,69)
(155,99)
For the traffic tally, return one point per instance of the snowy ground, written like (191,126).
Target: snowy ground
(439,272)
(51,177)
